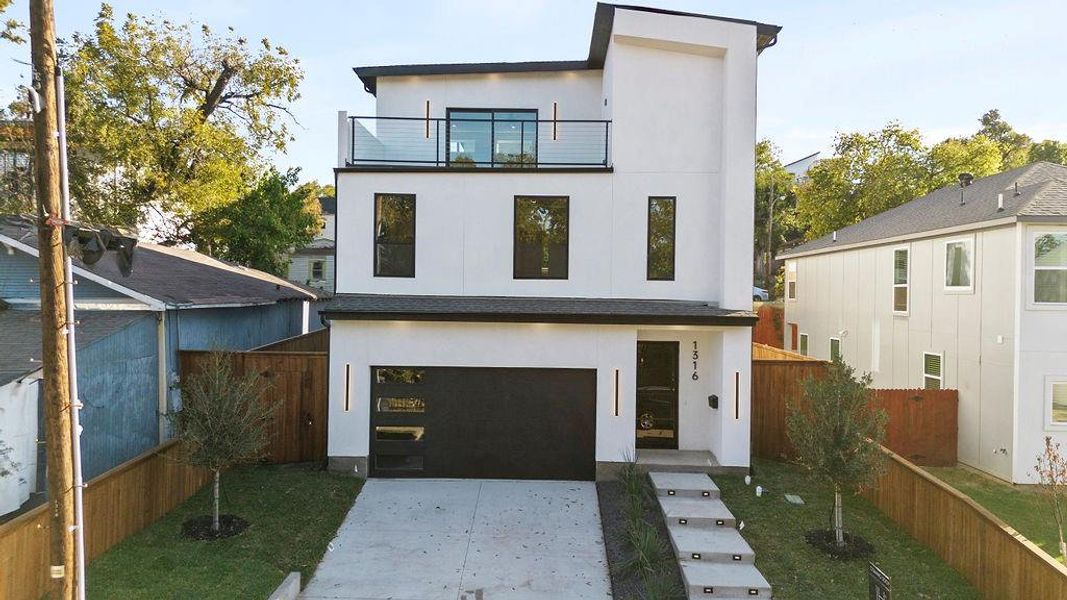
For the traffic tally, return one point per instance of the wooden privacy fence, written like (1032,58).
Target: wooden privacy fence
(770,328)
(315,341)
(922,424)
(296,382)
(117,504)
(995,558)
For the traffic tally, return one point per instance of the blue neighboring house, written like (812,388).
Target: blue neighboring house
(129,332)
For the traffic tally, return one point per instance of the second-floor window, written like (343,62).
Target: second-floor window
(835,349)
(318,270)
(483,137)
(542,236)
(1050,268)
(791,280)
(900,281)
(661,231)
(959,265)
(394,235)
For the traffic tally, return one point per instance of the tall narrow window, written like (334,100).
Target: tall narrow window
(1050,268)
(932,374)
(318,270)
(791,280)
(900,281)
(959,265)
(804,344)
(835,349)
(542,235)
(661,231)
(394,235)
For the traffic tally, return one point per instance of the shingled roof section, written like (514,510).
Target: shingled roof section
(531,309)
(180,277)
(20,336)
(1041,193)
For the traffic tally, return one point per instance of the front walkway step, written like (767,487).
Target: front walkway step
(684,485)
(696,512)
(724,580)
(721,544)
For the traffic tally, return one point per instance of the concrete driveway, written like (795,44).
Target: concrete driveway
(451,539)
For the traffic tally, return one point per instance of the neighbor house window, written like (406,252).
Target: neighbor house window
(661,230)
(482,137)
(900,280)
(791,281)
(1050,268)
(318,269)
(959,265)
(1056,392)
(804,344)
(835,348)
(932,374)
(394,235)
(542,233)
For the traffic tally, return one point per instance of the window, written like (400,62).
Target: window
(804,344)
(791,280)
(835,348)
(959,265)
(1056,392)
(900,280)
(794,329)
(661,231)
(394,235)
(541,237)
(480,137)
(932,376)
(1050,268)
(318,270)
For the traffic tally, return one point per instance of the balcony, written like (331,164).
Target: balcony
(474,140)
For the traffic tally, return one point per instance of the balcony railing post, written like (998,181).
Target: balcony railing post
(437,142)
(352,140)
(606,136)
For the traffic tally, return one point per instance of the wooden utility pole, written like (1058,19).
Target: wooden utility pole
(53,301)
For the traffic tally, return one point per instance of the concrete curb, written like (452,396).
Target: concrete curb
(289,588)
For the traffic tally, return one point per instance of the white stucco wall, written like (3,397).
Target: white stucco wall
(18,431)
(848,294)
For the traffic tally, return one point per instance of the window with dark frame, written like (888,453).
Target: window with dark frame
(488,137)
(318,269)
(661,232)
(542,237)
(394,235)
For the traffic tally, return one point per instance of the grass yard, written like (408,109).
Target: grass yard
(294,512)
(1021,507)
(775,530)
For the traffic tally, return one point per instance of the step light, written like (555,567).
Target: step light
(708,590)
(670,492)
(752,592)
(683,521)
(695,555)
(720,522)
(737,557)
(705,494)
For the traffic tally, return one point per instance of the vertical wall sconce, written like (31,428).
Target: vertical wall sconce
(555,118)
(427,119)
(348,386)
(737,395)
(616,392)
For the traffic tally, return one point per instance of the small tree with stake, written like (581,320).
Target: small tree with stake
(1051,471)
(836,433)
(222,422)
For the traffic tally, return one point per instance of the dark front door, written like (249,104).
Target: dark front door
(483,422)
(657,394)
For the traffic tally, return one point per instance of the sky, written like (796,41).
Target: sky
(838,66)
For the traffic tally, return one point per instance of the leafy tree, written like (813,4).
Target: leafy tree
(977,155)
(836,433)
(11,29)
(1050,151)
(222,422)
(1051,470)
(165,119)
(1014,146)
(261,227)
(774,188)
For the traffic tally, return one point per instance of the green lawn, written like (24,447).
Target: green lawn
(775,530)
(1021,507)
(294,512)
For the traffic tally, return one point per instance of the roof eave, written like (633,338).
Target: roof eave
(583,319)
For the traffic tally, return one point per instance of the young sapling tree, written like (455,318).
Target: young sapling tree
(1051,469)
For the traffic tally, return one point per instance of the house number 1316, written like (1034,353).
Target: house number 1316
(696,355)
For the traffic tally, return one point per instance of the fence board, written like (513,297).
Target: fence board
(995,558)
(117,504)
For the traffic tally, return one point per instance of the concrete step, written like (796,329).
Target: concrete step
(720,544)
(724,580)
(695,512)
(683,485)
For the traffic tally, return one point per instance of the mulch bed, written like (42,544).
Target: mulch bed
(855,547)
(199,528)
(627,585)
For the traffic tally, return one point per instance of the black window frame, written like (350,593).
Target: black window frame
(674,239)
(492,164)
(515,239)
(414,235)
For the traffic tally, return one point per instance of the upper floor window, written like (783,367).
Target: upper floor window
(791,280)
(483,137)
(900,280)
(804,344)
(1050,268)
(959,265)
(318,270)
(394,235)
(542,236)
(835,348)
(661,232)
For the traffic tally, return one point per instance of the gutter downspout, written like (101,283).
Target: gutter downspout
(161,373)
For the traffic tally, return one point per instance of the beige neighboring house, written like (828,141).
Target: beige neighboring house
(963,288)
(313,265)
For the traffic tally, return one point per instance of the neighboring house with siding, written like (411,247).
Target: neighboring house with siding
(130,330)
(313,265)
(963,288)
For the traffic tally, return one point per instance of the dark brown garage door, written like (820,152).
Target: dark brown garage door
(483,422)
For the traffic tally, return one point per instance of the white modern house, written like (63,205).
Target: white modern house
(313,265)
(545,267)
(963,288)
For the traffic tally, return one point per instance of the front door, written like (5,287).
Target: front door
(657,394)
